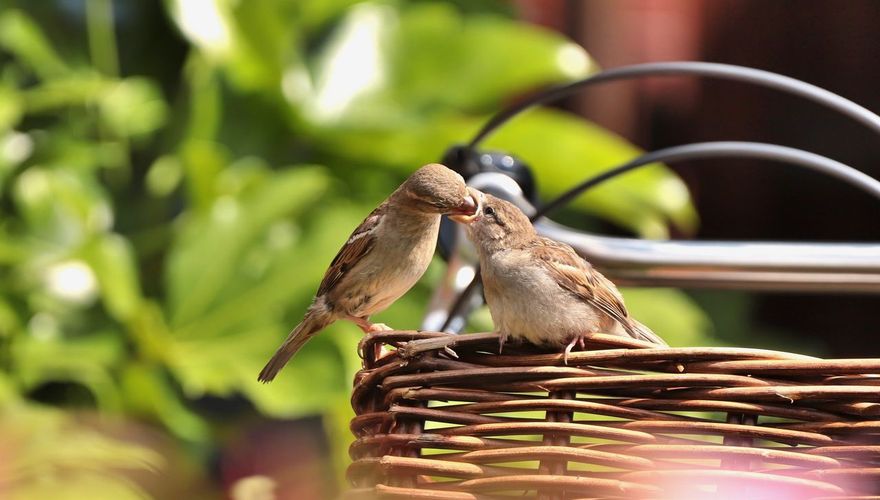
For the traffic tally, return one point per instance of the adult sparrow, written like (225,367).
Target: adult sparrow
(382,259)
(539,289)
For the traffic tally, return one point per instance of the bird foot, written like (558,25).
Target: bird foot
(379,350)
(378,327)
(579,341)
(364,324)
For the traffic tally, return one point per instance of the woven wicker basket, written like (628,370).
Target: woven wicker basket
(620,420)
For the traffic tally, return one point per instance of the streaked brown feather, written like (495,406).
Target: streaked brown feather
(580,278)
(359,244)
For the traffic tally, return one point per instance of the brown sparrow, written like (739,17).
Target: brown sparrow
(539,289)
(382,259)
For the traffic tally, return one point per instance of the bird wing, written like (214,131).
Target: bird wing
(580,278)
(359,244)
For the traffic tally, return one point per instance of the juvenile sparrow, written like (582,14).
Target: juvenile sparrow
(382,259)
(539,289)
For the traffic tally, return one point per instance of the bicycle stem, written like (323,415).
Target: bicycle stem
(790,267)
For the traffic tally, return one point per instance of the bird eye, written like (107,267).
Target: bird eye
(489,211)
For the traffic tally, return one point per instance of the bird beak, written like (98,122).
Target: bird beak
(471,210)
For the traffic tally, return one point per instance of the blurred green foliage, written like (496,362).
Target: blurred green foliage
(175,177)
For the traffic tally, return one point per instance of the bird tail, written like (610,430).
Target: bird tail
(314,322)
(642,332)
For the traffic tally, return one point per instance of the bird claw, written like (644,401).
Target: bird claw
(448,350)
(567,350)
(367,327)
(579,341)
(502,338)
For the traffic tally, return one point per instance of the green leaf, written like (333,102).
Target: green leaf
(202,162)
(15,149)
(20,35)
(149,392)
(206,104)
(263,43)
(11,111)
(164,176)
(149,331)
(671,314)
(291,277)
(389,68)
(86,361)
(313,14)
(62,206)
(442,59)
(402,149)
(222,351)
(228,365)
(112,259)
(12,251)
(210,245)
(10,322)
(564,150)
(73,90)
(133,107)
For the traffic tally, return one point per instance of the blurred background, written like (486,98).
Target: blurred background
(175,176)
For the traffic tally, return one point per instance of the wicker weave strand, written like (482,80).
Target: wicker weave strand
(448,417)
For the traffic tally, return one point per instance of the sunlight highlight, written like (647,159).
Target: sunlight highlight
(73,281)
(464,276)
(203,22)
(353,64)
(574,61)
(15,147)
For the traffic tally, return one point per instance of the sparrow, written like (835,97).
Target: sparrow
(382,259)
(539,289)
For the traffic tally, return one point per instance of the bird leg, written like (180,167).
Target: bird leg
(364,324)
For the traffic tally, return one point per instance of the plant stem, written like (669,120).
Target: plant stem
(102,39)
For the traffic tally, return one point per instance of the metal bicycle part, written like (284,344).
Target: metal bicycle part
(839,267)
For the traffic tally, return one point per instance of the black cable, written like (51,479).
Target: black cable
(705,69)
(725,149)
